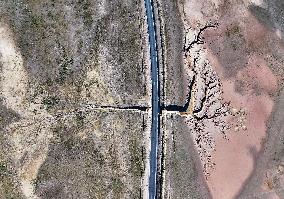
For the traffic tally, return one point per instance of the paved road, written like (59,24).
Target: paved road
(155,128)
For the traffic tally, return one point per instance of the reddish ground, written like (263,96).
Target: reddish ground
(235,157)
(239,50)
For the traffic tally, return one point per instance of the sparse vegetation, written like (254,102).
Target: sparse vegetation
(62,45)
(50,101)
(137,166)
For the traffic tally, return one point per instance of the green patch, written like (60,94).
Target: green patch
(80,116)
(36,21)
(3,170)
(235,30)
(65,64)
(69,143)
(50,101)
(49,82)
(117,187)
(136,155)
(8,188)
(87,15)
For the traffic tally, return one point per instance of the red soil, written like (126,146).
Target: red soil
(235,157)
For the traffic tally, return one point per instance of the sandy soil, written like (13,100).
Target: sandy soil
(239,50)
(235,158)
(13,74)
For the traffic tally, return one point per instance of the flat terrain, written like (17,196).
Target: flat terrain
(249,57)
(170,37)
(75,89)
(60,157)
(234,57)
(81,51)
(75,99)
(182,177)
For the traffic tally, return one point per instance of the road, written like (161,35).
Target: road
(155,127)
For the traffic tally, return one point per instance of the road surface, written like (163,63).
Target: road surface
(155,127)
